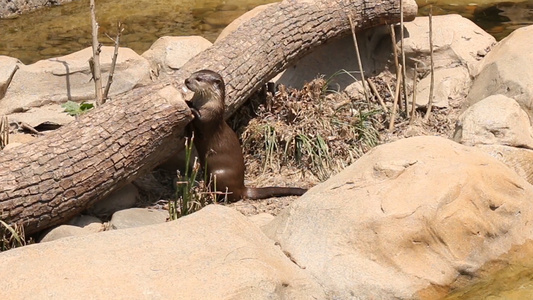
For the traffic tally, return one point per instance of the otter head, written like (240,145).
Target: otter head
(208,87)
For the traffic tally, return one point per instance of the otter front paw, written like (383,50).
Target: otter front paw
(194,111)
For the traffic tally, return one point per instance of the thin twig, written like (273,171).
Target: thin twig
(363,81)
(4,132)
(396,96)
(375,91)
(29,128)
(394,48)
(95,60)
(404,68)
(413,103)
(432,83)
(120,29)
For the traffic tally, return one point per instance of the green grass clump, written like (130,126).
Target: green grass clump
(191,194)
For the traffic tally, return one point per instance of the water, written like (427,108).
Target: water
(60,30)
(510,277)
(498,18)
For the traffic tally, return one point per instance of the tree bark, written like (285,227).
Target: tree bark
(50,180)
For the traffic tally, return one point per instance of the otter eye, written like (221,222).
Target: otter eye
(200,79)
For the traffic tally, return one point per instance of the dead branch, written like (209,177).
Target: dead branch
(95,60)
(120,29)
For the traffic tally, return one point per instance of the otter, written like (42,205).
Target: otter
(218,147)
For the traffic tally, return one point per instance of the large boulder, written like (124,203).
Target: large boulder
(495,120)
(407,220)
(57,80)
(8,67)
(457,41)
(169,53)
(498,126)
(458,47)
(507,70)
(217,253)
(518,159)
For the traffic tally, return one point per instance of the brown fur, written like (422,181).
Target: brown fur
(217,144)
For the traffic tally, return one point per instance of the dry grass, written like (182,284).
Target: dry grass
(11,236)
(313,133)
(311,130)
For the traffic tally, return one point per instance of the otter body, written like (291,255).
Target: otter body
(218,147)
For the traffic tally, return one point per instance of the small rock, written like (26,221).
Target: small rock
(496,120)
(90,223)
(169,53)
(63,231)
(450,83)
(8,67)
(137,217)
(35,116)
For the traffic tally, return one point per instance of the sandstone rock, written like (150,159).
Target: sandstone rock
(70,77)
(170,53)
(457,41)
(458,46)
(52,113)
(121,199)
(136,217)
(327,60)
(8,67)
(507,70)
(450,83)
(261,219)
(80,225)
(215,253)
(63,231)
(406,220)
(496,119)
(518,159)
(89,223)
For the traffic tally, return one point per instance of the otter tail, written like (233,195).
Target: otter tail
(273,191)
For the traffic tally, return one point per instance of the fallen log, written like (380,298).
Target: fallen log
(50,180)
